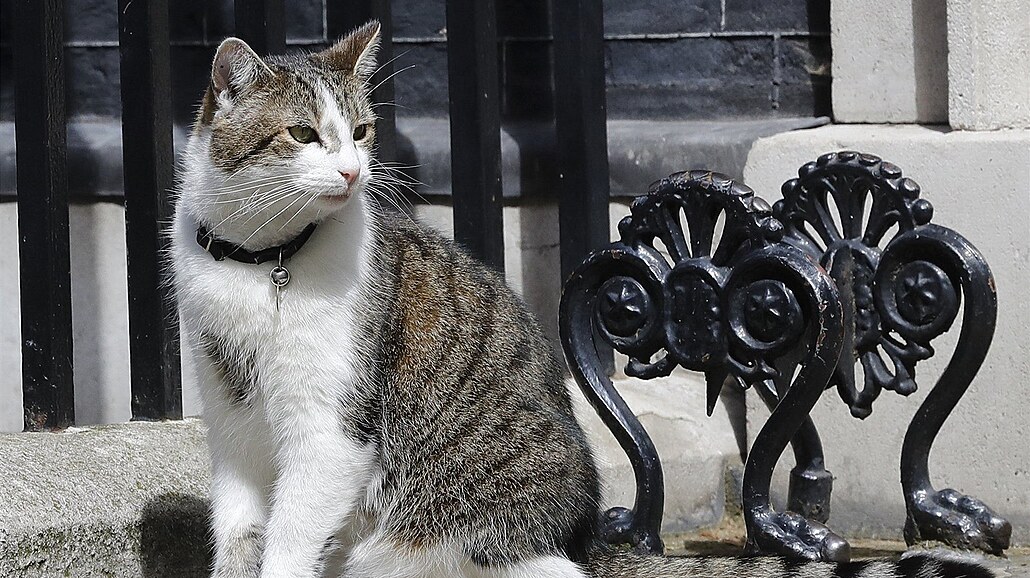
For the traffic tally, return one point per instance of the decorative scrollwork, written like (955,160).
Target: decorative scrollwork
(677,223)
(700,280)
(704,324)
(752,299)
(770,313)
(624,310)
(694,334)
(840,210)
(918,299)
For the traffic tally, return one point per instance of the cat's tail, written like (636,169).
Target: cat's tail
(611,563)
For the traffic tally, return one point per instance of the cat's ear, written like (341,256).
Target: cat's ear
(236,67)
(355,54)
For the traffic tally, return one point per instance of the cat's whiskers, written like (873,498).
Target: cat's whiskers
(244,209)
(274,217)
(387,63)
(395,171)
(375,194)
(395,164)
(395,196)
(258,192)
(395,73)
(394,184)
(312,197)
(255,203)
(376,105)
(266,204)
(253,183)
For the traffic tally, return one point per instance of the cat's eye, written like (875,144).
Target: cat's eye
(303,134)
(360,132)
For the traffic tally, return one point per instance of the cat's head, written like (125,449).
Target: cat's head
(283,141)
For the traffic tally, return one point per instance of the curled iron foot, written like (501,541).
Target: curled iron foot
(957,520)
(616,526)
(791,535)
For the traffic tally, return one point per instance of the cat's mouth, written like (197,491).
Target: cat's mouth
(336,198)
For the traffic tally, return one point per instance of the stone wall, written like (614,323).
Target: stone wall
(710,59)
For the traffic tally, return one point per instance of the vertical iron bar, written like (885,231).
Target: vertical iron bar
(260,23)
(582,134)
(475,128)
(341,18)
(43,248)
(580,116)
(147,164)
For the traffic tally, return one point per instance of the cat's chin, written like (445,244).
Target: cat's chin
(335,200)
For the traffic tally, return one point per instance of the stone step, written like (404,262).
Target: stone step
(130,500)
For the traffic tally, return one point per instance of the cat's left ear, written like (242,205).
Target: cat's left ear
(355,54)
(236,68)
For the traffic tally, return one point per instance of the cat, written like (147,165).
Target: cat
(379,404)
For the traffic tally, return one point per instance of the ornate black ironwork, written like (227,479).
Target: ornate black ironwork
(902,281)
(674,291)
(847,262)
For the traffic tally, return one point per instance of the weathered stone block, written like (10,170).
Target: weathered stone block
(988,56)
(632,17)
(803,77)
(761,15)
(694,78)
(889,62)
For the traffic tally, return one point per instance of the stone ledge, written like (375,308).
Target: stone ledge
(130,500)
(120,501)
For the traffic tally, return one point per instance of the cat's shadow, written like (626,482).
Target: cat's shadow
(175,537)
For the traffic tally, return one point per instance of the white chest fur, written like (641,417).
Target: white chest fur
(282,464)
(304,351)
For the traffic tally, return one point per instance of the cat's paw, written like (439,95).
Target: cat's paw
(791,535)
(957,520)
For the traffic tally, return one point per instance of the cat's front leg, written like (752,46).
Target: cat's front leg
(322,475)
(241,478)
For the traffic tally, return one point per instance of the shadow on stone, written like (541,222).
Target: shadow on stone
(174,537)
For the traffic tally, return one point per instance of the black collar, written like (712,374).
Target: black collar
(221,249)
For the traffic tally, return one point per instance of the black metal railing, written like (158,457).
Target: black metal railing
(42,186)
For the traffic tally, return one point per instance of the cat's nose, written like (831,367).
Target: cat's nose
(350,175)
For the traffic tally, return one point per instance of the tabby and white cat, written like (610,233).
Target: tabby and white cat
(379,404)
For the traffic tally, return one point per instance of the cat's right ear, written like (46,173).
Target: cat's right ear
(236,67)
